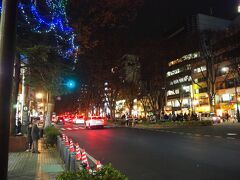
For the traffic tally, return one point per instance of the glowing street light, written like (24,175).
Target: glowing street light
(225,69)
(39,95)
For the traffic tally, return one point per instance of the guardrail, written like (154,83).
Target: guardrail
(74,157)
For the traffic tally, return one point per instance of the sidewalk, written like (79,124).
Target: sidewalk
(30,166)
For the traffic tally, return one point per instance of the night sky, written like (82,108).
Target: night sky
(161,16)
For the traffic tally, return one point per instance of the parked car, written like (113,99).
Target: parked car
(94,121)
(79,120)
(211,117)
(71,118)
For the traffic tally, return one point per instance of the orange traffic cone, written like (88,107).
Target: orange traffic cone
(71,146)
(66,141)
(78,153)
(98,165)
(84,158)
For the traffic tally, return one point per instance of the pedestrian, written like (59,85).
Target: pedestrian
(170,117)
(19,127)
(35,137)
(185,117)
(29,137)
(127,120)
(174,117)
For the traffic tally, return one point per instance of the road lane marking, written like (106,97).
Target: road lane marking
(231,138)
(197,135)
(231,134)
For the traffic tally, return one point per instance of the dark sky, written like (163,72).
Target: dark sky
(163,15)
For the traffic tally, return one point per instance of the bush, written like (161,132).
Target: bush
(206,123)
(51,134)
(185,123)
(106,173)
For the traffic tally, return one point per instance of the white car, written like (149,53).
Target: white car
(211,117)
(79,120)
(94,121)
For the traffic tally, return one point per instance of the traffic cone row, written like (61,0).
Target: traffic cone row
(79,156)
(78,153)
(71,146)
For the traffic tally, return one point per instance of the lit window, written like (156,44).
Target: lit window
(186,88)
(200,69)
(169,103)
(196,91)
(171,73)
(225,97)
(184,58)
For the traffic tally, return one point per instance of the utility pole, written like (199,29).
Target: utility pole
(7,55)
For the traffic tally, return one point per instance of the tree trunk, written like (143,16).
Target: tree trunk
(212,104)
(50,106)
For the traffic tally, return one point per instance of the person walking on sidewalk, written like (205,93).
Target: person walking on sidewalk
(29,137)
(35,137)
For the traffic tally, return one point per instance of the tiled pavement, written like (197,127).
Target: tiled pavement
(31,166)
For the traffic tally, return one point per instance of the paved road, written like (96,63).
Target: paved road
(143,154)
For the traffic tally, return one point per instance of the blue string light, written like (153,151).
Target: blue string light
(55,20)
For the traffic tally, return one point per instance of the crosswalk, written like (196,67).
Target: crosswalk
(70,129)
(78,128)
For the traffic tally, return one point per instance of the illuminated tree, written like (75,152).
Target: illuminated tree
(48,17)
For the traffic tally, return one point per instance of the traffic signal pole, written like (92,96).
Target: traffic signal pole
(7,55)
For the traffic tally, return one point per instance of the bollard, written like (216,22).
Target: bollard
(59,143)
(73,162)
(67,158)
(65,153)
(62,150)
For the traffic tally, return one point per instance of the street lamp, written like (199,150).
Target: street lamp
(39,95)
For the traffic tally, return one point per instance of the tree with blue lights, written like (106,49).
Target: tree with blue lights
(48,17)
(46,40)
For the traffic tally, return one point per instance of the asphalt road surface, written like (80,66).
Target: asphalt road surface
(162,155)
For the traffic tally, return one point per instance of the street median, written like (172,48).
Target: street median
(173,124)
